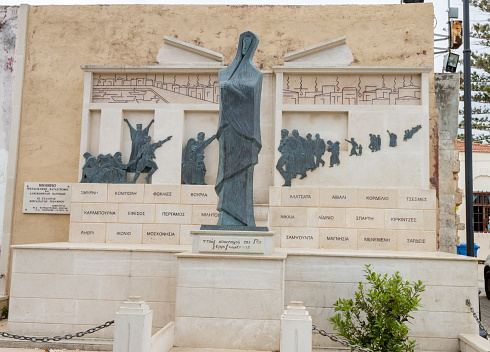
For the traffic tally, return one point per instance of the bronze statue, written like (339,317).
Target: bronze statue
(240,86)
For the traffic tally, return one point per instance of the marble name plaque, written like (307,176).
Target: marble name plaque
(46,198)
(231,244)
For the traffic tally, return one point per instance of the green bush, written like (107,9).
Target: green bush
(376,318)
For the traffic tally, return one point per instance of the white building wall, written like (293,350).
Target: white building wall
(8,36)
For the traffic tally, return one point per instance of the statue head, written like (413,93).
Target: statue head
(139,126)
(317,135)
(247,40)
(308,136)
(295,133)
(200,136)
(284,133)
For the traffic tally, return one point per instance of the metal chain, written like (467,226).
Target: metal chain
(468,303)
(343,342)
(57,338)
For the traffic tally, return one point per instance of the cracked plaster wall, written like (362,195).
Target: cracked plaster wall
(450,196)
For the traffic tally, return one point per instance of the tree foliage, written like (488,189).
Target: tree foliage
(377,318)
(480,80)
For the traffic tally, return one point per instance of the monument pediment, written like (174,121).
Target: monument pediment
(178,52)
(333,52)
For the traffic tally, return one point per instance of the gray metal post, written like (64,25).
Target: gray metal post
(470,238)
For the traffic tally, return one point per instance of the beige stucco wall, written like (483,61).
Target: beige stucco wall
(62,38)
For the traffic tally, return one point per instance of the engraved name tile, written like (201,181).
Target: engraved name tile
(123,193)
(361,218)
(300,196)
(137,213)
(198,194)
(162,194)
(287,216)
(338,197)
(376,239)
(326,217)
(204,215)
(417,199)
(293,237)
(89,192)
(161,234)
(339,238)
(173,214)
(402,219)
(378,198)
(87,233)
(124,233)
(99,212)
(421,241)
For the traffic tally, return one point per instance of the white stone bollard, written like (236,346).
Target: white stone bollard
(296,329)
(132,326)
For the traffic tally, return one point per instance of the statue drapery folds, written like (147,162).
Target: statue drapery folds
(240,86)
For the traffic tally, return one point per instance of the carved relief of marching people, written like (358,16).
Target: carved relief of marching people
(299,155)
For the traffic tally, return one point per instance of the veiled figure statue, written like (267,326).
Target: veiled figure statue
(240,86)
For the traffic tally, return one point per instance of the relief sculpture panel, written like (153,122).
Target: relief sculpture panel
(352,89)
(156,88)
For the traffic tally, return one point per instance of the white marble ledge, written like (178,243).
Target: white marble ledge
(373,254)
(121,247)
(199,349)
(318,68)
(273,256)
(182,68)
(232,233)
(475,342)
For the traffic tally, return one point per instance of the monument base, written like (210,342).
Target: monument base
(62,288)
(229,301)
(220,241)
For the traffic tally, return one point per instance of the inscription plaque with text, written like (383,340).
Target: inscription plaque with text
(231,244)
(46,198)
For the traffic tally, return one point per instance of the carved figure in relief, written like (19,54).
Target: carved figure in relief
(111,169)
(137,137)
(299,154)
(393,138)
(320,148)
(105,169)
(409,133)
(310,153)
(193,167)
(375,142)
(240,86)
(334,149)
(145,157)
(360,150)
(285,164)
(354,144)
(89,169)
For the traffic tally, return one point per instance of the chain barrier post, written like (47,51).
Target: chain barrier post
(296,328)
(132,327)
